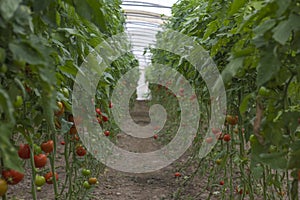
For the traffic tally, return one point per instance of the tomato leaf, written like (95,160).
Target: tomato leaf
(283,30)
(8,8)
(231,68)
(236,6)
(274,160)
(268,66)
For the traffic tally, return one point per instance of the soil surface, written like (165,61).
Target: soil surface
(158,185)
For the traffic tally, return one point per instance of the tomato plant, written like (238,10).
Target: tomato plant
(258,58)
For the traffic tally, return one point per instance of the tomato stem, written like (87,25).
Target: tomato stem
(33,170)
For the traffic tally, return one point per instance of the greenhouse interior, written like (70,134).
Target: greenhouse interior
(149,99)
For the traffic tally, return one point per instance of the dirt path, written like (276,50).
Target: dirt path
(158,185)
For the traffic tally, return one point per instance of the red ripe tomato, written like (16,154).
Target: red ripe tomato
(49,177)
(12,177)
(40,160)
(177,174)
(106,133)
(71,118)
(99,120)
(193,97)
(104,118)
(209,140)
(155,136)
(215,130)
(226,138)
(110,104)
(62,143)
(232,120)
(98,111)
(48,146)
(73,130)
(24,151)
(80,151)
(76,137)
(221,182)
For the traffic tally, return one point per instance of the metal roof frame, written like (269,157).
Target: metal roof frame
(144,4)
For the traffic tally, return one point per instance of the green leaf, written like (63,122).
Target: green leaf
(8,8)
(91,10)
(264,27)
(8,151)
(68,69)
(211,28)
(283,30)
(236,6)
(273,132)
(294,156)
(274,160)
(39,5)
(268,66)
(231,68)
(7,107)
(282,6)
(71,31)
(49,104)
(257,172)
(65,125)
(8,154)
(245,103)
(23,51)
(108,77)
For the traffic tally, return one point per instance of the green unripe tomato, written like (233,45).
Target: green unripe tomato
(37,149)
(2,55)
(86,172)
(263,91)
(18,102)
(39,180)
(218,161)
(86,185)
(3,68)
(272,148)
(252,139)
(65,92)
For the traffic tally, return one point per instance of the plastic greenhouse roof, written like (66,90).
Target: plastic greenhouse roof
(143,20)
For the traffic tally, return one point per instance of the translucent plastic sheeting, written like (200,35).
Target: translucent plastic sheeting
(143,20)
